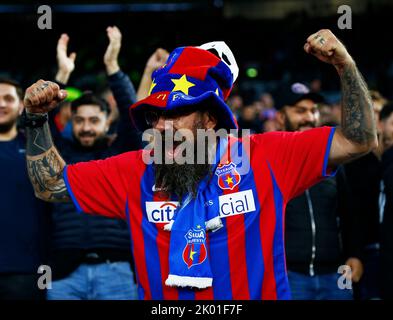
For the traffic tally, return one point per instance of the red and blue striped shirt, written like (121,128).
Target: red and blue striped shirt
(247,255)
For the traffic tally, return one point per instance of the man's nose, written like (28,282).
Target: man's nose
(86,126)
(310,117)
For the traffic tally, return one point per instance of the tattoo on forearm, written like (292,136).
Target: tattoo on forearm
(358,123)
(39,140)
(45,165)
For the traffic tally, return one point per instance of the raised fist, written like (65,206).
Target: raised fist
(157,59)
(43,96)
(327,48)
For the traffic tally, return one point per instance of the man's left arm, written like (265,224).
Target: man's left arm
(357,135)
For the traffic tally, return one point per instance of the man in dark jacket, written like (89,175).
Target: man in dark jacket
(365,179)
(321,232)
(386,262)
(23,222)
(90,254)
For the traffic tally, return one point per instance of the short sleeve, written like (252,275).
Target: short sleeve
(297,160)
(101,186)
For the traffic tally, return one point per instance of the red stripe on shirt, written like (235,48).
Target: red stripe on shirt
(237,254)
(138,245)
(267,223)
(267,227)
(237,247)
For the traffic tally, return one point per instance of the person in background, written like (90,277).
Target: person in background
(385,271)
(236,103)
(90,256)
(155,61)
(364,176)
(321,228)
(23,218)
(326,115)
(378,102)
(248,119)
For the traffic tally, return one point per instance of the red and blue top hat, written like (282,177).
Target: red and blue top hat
(192,77)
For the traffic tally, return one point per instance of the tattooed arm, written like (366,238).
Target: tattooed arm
(357,135)
(44,163)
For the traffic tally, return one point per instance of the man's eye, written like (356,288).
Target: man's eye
(9,99)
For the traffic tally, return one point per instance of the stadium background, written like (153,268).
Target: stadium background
(266,37)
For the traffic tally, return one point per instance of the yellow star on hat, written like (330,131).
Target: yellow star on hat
(182,84)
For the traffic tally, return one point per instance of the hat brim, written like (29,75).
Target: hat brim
(313,96)
(178,101)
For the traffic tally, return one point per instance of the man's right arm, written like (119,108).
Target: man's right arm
(44,163)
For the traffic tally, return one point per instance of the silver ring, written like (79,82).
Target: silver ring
(44,85)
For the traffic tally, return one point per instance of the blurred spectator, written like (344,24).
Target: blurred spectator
(63,116)
(108,96)
(259,108)
(267,100)
(315,85)
(23,224)
(156,60)
(270,125)
(321,229)
(90,256)
(364,176)
(235,102)
(386,262)
(378,102)
(336,112)
(327,118)
(248,119)
(269,121)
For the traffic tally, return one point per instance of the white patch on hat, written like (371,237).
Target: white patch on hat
(225,55)
(299,88)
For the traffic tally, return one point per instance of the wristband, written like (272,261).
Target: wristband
(33,120)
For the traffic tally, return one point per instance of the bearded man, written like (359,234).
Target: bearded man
(205,232)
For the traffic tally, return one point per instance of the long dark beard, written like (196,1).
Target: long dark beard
(181,179)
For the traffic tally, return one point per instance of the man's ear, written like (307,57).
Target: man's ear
(21,107)
(108,123)
(280,117)
(380,126)
(209,120)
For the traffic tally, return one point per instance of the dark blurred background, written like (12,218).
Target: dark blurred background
(266,37)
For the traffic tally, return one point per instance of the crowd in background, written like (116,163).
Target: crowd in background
(346,220)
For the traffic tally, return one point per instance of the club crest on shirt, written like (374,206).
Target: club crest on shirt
(228,177)
(195,250)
